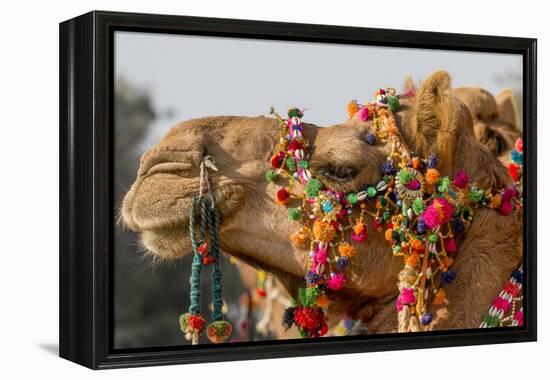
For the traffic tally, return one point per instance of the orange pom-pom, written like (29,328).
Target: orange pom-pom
(388,234)
(413,260)
(418,245)
(322,301)
(446,262)
(347,250)
(416,163)
(353,107)
(439,297)
(300,237)
(359,228)
(323,231)
(495,201)
(432,176)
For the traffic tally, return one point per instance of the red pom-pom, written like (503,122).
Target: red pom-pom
(203,248)
(460,179)
(277,159)
(308,318)
(295,145)
(260,292)
(196,322)
(450,245)
(513,170)
(208,259)
(283,196)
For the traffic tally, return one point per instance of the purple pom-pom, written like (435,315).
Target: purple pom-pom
(458,226)
(432,161)
(312,278)
(341,262)
(449,276)
(426,318)
(421,226)
(387,168)
(370,138)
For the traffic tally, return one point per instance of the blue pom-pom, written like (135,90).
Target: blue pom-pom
(342,262)
(518,276)
(312,278)
(387,168)
(448,276)
(517,157)
(426,318)
(370,138)
(421,226)
(348,323)
(432,161)
(458,226)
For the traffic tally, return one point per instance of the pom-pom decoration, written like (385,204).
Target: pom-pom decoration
(219,331)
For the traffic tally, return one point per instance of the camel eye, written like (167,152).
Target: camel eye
(338,173)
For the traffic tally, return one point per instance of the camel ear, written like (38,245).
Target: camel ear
(409,88)
(507,107)
(433,124)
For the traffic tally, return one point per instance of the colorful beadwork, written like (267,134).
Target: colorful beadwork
(420,212)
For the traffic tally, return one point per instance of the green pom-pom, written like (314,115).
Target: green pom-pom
(303,164)
(418,206)
(271,175)
(443,185)
(382,200)
(352,198)
(476,195)
(397,249)
(291,164)
(405,176)
(386,215)
(313,187)
(492,321)
(295,112)
(311,297)
(432,238)
(294,213)
(393,103)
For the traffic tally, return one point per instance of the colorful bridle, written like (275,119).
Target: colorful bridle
(419,211)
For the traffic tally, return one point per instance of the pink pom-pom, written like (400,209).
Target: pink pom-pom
(406,297)
(450,245)
(519,145)
(413,185)
(336,281)
(519,317)
(438,213)
(358,237)
(506,208)
(508,194)
(501,304)
(460,179)
(364,114)
(321,256)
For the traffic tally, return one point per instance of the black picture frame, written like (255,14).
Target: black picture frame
(86,187)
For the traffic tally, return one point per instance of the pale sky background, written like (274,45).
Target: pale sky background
(194,76)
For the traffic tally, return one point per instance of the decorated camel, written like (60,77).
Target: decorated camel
(343,158)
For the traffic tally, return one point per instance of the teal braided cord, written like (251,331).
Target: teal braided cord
(213,230)
(196,266)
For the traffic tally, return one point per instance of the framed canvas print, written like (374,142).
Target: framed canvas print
(238,189)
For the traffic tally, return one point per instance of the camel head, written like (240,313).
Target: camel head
(254,227)
(494,118)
